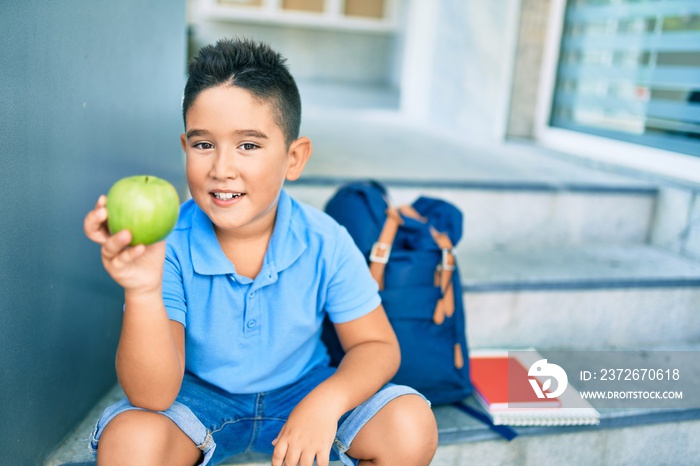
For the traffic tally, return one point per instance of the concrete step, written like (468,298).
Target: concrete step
(521,215)
(624,436)
(669,442)
(580,297)
(568,298)
(511,194)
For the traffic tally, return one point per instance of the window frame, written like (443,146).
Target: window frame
(662,162)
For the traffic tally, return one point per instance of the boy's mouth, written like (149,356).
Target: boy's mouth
(226,196)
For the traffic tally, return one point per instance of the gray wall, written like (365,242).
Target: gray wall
(89,92)
(474,48)
(676,225)
(532,36)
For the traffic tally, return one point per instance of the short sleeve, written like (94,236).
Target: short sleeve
(173,289)
(352,292)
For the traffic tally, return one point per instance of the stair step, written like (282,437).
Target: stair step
(663,442)
(381,145)
(583,267)
(583,297)
(522,215)
(511,194)
(624,436)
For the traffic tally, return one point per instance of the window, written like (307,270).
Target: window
(630,70)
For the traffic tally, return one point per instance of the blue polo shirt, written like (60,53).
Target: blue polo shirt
(250,336)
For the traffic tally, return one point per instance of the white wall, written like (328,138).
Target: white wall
(458,65)
(452,60)
(313,54)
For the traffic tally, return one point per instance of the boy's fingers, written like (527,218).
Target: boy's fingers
(290,459)
(292,456)
(323,459)
(306,459)
(101,201)
(95,225)
(279,454)
(116,244)
(129,254)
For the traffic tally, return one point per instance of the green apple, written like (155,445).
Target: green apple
(145,205)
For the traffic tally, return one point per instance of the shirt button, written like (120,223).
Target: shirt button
(251,323)
(232,278)
(251,294)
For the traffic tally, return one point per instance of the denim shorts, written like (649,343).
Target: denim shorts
(223,425)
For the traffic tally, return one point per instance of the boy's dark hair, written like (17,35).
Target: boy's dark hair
(252,66)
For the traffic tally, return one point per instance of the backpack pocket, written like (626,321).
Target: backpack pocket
(432,356)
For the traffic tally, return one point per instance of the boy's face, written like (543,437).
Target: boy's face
(237,160)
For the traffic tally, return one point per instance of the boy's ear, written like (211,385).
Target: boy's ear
(299,153)
(183,141)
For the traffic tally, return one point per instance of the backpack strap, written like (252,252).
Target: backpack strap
(409,211)
(443,277)
(381,250)
(504,431)
(445,306)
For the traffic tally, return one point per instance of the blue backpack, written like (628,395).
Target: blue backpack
(410,255)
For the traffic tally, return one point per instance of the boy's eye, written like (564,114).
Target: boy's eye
(204,145)
(248,146)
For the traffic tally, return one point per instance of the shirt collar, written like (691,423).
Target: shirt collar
(207,256)
(286,243)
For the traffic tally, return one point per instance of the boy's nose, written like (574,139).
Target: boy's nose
(224,166)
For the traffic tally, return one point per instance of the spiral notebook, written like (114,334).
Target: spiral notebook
(509,395)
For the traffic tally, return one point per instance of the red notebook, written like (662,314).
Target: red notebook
(502,382)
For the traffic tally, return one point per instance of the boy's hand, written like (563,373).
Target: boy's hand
(308,434)
(138,268)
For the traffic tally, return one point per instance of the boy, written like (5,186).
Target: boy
(220,350)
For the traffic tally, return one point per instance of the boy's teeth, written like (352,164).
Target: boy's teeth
(226,196)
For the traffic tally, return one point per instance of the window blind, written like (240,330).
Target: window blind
(630,70)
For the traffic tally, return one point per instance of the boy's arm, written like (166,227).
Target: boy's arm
(150,356)
(372,357)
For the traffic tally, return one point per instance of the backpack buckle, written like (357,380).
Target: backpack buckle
(380,253)
(445,263)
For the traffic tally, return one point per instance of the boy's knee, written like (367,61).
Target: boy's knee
(415,429)
(420,431)
(143,437)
